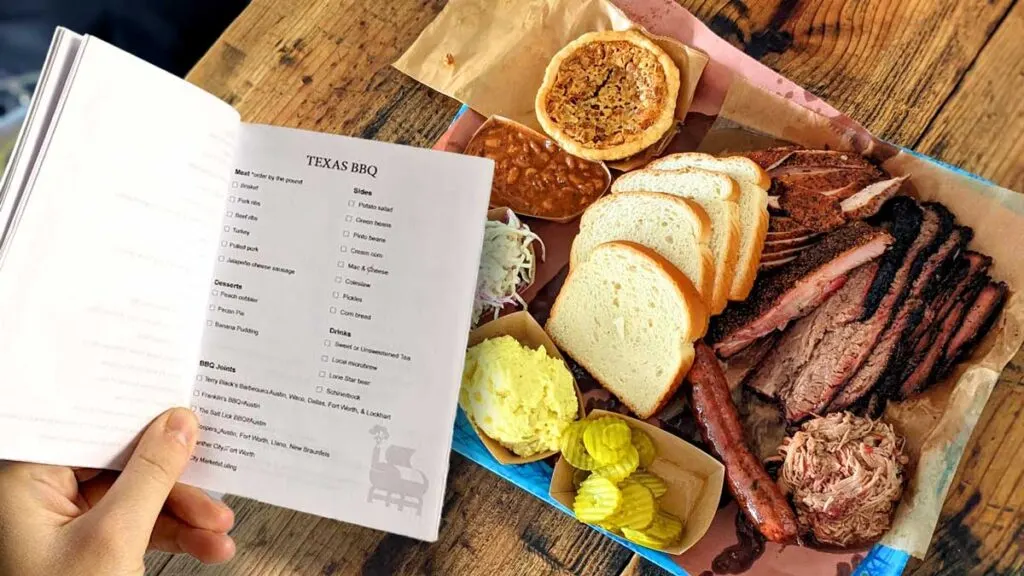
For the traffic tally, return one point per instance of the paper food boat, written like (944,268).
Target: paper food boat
(526,330)
(694,481)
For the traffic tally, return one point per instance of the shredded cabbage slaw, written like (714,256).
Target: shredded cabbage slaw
(506,264)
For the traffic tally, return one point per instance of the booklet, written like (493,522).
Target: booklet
(308,295)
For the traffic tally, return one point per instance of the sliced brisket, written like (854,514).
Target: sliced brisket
(904,219)
(798,287)
(926,287)
(782,374)
(878,332)
(981,315)
(926,362)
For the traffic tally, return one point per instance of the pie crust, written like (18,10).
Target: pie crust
(608,95)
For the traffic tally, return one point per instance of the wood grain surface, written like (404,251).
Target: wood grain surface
(942,76)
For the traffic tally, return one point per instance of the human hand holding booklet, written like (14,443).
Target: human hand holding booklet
(309,295)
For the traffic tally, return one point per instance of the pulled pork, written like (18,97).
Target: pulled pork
(845,476)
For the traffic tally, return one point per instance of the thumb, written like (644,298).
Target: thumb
(139,493)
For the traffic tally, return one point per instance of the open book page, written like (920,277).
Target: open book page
(337,326)
(52,81)
(104,284)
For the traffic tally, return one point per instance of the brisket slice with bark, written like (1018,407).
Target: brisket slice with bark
(924,367)
(796,288)
(926,288)
(777,372)
(976,322)
(872,337)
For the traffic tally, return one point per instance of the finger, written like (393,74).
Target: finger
(197,509)
(173,536)
(137,496)
(86,474)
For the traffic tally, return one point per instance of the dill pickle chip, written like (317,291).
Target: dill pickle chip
(573,449)
(625,463)
(665,527)
(604,437)
(650,481)
(644,539)
(644,445)
(578,476)
(596,500)
(638,507)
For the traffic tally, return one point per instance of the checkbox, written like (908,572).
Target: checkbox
(199,378)
(348,218)
(345,233)
(195,392)
(336,294)
(333,310)
(319,388)
(337,279)
(212,307)
(230,214)
(215,293)
(232,199)
(234,184)
(209,322)
(323,358)
(220,259)
(327,343)
(351,203)
(227,228)
(341,264)
(224,244)
(344,248)
(322,373)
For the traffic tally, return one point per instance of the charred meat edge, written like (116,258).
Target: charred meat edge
(796,288)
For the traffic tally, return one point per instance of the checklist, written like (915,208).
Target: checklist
(306,295)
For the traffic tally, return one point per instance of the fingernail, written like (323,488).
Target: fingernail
(181,425)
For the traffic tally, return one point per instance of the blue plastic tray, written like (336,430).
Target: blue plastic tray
(535,478)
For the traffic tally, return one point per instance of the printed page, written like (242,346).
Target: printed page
(104,283)
(337,326)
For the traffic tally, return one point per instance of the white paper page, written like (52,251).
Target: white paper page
(337,327)
(104,286)
(53,80)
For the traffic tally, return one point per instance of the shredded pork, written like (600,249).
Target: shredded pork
(845,476)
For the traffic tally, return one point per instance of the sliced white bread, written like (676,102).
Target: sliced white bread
(676,228)
(717,195)
(754,184)
(629,317)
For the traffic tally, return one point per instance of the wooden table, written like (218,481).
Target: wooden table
(944,77)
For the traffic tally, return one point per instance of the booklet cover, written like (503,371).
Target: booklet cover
(309,295)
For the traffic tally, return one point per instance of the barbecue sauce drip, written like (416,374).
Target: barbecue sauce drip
(739,557)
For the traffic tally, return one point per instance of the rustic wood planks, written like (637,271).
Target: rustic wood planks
(943,76)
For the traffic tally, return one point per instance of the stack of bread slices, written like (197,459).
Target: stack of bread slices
(671,246)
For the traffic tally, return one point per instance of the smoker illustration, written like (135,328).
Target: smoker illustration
(393,480)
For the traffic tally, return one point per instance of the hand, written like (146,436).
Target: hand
(58,520)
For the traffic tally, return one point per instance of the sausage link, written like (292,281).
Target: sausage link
(756,493)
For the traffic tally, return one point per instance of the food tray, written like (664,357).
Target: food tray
(535,479)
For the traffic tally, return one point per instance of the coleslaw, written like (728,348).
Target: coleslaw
(507,265)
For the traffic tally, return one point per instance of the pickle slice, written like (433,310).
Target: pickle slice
(596,500)
(644,445)
(604,437)
(572,446)
(626,462)
(638,508)
(644,539)
(665,527)
(652,482)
